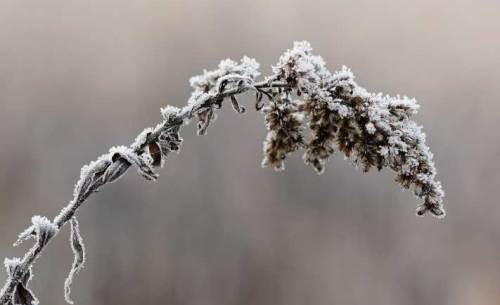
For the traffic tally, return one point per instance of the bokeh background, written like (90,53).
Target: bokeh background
(77,77)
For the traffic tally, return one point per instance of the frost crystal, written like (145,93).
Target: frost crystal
(141,139)
(230,75)
(42,230)
(89,174)
(248,67)
(169,112)
(11,264)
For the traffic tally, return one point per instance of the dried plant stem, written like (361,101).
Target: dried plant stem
(70,210)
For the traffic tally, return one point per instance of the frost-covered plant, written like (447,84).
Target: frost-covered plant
(304,106)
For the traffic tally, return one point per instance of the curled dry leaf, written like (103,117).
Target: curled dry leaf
(117,169)
(154,151)
(78,248)
(42,229)
(170,141)
(91,177)
(205,117)
(21,294)
(236,106)
(123,153)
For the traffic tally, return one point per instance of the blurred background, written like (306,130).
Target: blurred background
(77,77)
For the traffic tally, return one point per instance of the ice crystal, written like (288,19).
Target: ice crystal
(42,229)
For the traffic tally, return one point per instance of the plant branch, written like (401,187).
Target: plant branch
(371,129)
(71,209)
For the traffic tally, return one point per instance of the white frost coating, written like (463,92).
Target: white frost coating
(25,235)
(208,85)
(169,112)
(308,70)
(198,97)
(141,138)
(131,157)
(343,74)
(86,174)
(234,78)
(42,229)
(248,67)
(370,128)
(11,264)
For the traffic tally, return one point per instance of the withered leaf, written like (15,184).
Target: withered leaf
(155,153)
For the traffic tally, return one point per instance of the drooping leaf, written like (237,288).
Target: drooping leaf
(79,257)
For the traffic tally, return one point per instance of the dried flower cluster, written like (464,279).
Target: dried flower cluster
(372,129)
(304,107)
(284,122)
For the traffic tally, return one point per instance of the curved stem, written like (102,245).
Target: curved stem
(72,207)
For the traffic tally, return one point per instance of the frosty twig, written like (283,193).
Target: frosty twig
(305,107)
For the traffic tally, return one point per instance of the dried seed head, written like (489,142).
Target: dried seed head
(284,125)
(323,125)
(372,129)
